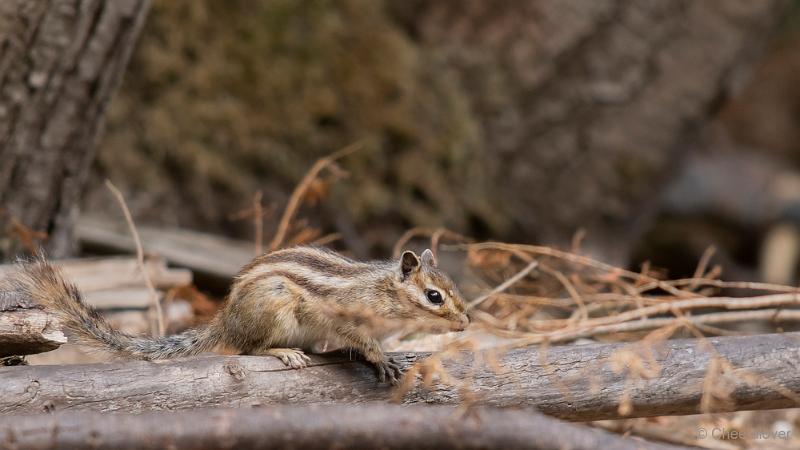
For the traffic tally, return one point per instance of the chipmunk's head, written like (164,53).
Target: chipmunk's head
(430,293)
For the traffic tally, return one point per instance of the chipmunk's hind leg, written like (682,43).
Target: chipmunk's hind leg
(292,357)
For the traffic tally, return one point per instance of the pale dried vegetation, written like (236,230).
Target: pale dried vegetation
(521,295)
(546,296)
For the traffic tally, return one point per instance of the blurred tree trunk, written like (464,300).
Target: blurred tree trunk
(60,62)
(587,106)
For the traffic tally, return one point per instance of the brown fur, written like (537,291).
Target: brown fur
(279,303)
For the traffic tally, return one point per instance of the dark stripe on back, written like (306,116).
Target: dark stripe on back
(301,281)
(306,258)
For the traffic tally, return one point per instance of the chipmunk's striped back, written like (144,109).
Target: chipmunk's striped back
(314,273)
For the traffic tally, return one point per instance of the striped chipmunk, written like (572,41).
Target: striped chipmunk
(280,304)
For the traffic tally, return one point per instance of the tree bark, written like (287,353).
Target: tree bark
(24,328)
(60,62)
(576,382)
(27,331)
(312,427)
(587,107)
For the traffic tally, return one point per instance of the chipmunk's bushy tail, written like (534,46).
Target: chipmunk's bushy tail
(44,284)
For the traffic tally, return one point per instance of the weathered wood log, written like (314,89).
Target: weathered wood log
(26,331)
(24,328)
(311,427)
(576,382)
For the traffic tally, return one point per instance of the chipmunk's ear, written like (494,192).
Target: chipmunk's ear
(409,263)
(428,258)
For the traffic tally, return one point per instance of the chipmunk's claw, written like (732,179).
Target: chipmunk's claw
(389,370)
(292,357)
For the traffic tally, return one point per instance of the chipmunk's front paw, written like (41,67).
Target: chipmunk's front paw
(389,370)
(292,357)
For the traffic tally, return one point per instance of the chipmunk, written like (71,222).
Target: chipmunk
(279,304)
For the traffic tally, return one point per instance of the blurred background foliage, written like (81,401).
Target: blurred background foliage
(520,122)
(223,99)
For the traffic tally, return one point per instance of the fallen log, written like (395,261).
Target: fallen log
(26,331)
(312,427)
(24,328)
(575,382)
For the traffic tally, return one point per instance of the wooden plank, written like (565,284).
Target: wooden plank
(116,282)
(205,254)
(177,315)
(112,272)
(122,298)
(95,274)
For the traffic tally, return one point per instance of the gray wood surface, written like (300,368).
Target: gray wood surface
(575,382)
(203,253)
(311,427)
(26,331)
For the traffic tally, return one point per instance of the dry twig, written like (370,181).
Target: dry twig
(140,258)
(300,191)
(505,285)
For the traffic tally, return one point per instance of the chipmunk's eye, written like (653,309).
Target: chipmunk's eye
(434,296)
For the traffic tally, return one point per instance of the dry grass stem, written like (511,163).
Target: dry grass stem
(299,192)
(154,299)
(576,259)
(505,285)
(575,297)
